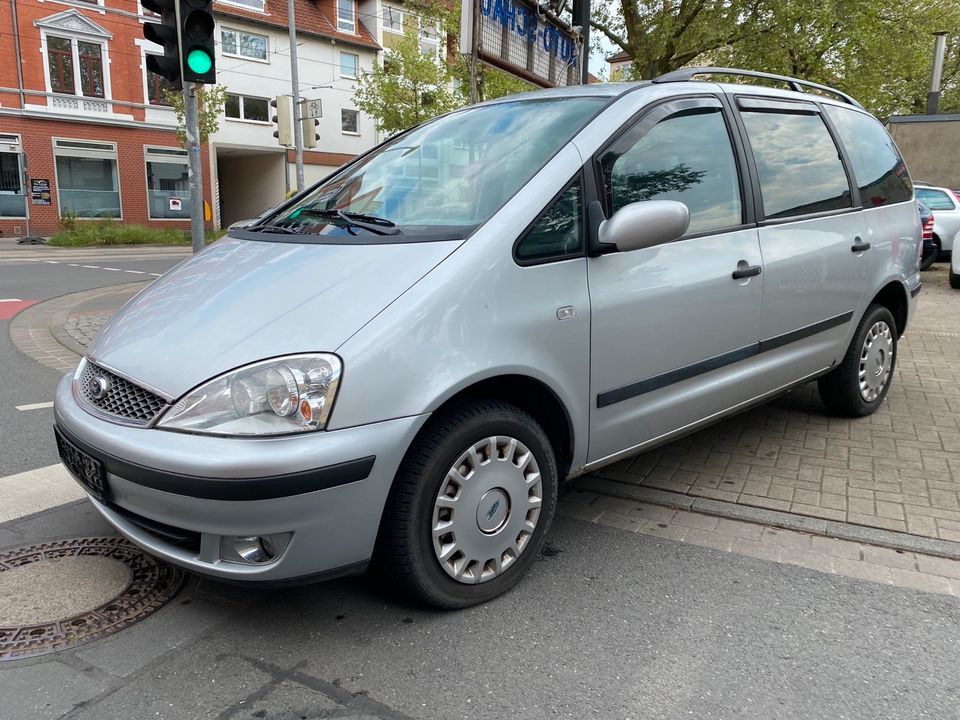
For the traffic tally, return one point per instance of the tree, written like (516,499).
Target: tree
(410,87)
(210,101)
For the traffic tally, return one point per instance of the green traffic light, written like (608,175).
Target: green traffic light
(199,61)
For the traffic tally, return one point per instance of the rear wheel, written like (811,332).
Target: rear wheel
(928,257)
(470,506)
(859,384)
(954,279)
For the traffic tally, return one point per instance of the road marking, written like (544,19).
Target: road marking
(11,307)
(52,262)
(91,267)
(154,274)
(136,272)
(35,490)
(35,406)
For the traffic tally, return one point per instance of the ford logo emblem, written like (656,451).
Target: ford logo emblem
(98,387)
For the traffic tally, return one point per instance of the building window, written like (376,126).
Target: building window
(429,40)
(60,62)
(350,122)
(348,65)
(13,197)
(346,17)
(64,55)
(242,107)
(88,185)
(244,44)
(168,188)
(157,85)
(392,19)
(252,4)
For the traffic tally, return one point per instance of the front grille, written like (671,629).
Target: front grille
(122,398)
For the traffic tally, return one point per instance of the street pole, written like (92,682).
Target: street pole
(191,117)
(295,81)
(933,97)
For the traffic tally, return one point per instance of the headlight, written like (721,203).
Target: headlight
(273,397)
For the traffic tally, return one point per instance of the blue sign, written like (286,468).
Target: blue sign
(525,22)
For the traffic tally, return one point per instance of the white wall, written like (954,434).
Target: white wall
(319,65)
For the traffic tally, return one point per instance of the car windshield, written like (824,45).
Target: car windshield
(444,177)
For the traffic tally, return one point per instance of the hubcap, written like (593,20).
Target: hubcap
(487,509)
(876,361)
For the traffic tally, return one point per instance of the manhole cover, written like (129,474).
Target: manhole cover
(150,584)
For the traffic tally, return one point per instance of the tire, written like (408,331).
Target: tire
(841,390)
(488,524)
(927,259)
(954,280)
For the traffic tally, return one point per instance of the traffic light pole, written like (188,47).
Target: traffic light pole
(295,81)
(191,121)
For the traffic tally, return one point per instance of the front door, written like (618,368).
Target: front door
(670,323)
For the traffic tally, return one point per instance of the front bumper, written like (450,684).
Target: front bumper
(326,488)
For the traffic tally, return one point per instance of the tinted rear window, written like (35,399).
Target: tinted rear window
(798,163)
(935,199)
(878,167)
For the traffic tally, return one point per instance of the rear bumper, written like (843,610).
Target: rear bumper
(178,495)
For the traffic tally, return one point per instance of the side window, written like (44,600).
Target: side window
(685,157)
(878,167)
(935,199)
(558,231)
(798,163)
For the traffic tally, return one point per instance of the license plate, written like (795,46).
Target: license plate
(87,470)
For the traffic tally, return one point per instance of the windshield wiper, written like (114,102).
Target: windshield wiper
(279,229)
(370,223)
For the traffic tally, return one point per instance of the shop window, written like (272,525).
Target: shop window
(168,188)
(13,199)
(88,184)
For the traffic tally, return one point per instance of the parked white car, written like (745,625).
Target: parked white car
(945,204)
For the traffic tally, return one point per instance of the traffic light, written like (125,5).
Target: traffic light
(166,33)
(308,126)
(283,119)
(196,41)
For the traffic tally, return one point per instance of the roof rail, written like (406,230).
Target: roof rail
(795,84)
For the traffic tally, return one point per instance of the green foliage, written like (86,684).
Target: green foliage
(412,88)
(78,233)
(210,100)
(409,89)
(876,50)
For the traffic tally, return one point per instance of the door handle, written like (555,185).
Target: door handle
(744,271)
(859,245)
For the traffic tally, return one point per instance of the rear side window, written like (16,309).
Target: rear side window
(798,164)
(878,167)
(935,199)
(685,157)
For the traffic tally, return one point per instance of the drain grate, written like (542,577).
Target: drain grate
(153,584)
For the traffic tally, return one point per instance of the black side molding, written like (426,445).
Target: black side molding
(687,372)
(916,291)
(253,488)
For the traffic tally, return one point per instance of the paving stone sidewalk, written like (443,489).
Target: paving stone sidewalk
(898,469)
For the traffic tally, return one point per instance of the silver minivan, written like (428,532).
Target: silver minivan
(402,363)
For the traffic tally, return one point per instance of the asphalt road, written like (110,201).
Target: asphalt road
(25,436)
(608,625)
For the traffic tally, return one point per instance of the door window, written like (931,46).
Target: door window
(880,171)
(557,234)
(798,164)
(685,157)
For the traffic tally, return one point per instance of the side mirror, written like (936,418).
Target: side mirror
(645,224)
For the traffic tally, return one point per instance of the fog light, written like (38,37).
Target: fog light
(254,549)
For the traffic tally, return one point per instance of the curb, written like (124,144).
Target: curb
(775,518)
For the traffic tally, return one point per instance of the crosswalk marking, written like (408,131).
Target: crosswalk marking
(35,490)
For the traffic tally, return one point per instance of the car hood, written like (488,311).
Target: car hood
(240,301)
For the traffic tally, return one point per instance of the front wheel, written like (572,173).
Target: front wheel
(859,384)
(470,506)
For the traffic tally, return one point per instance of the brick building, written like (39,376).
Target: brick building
(85,131)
